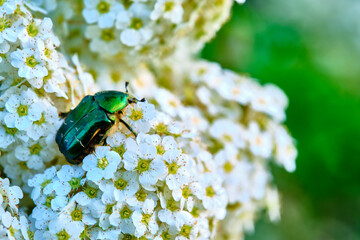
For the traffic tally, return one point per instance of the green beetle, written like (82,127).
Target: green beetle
(86,125)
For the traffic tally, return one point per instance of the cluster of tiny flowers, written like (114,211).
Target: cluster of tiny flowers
(240,122)
(199,165)
(132,31)
(33,75)
(13,224)
(146,187)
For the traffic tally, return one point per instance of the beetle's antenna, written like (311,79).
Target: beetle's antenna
(126,86)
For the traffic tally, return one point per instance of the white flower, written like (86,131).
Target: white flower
(10,135)
(186,194)
(46,125)
(240,92)
(193,119)
(102,164)
(187,226)
(147,163)
(228,132)
(69,178)
(23,110)
(272,201)
(10,31)
(140,116)
(120,144)
(78,215)
(285,150)
(168,102)
(103,40)
(132,23)
(61,228)
(121,217)
(8,7)
(169,9)
(212,194)
(9,195)
(179,168)
(29,63)
(35,30)
(35,153)
(140,196)
(260,142)
(145,220)
(101,11)
(125,185)
(42,182)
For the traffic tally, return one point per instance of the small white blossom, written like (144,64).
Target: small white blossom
(102,164)
(102,12)
(29,63)
(147,163)
(145,220)
(169,9)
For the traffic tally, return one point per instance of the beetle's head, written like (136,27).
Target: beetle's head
(131,98)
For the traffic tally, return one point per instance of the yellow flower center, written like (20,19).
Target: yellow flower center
(48,201)
(10,131)
(125,213)
(228,167)
(161,128)
(22,110)
(103,7)
(120,150)
(120,184)
(143,165)
(173,167)
(32,29)
(91,192)
(185,231)
(107,34)
(35,149)
(136,23)
(102,163)
(210,192)
(63,235)
(136,115)
(31,61)
(160,150)
(76,215)
(186,192)
(166,235)
(109,208)
(141,195)
(146,219)
(41,120)
(115,77)
(227,138)
(168,6)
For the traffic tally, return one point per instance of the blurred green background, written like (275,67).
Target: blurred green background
(311,49)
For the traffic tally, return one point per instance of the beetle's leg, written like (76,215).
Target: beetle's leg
(128,126)
(64,114)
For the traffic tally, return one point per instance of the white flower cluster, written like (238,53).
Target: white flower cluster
(133,31)
(147,187)
(13,225)
(199,166)
(240,121)
(33,75)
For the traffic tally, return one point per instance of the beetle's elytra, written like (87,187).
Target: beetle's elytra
(86,125)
